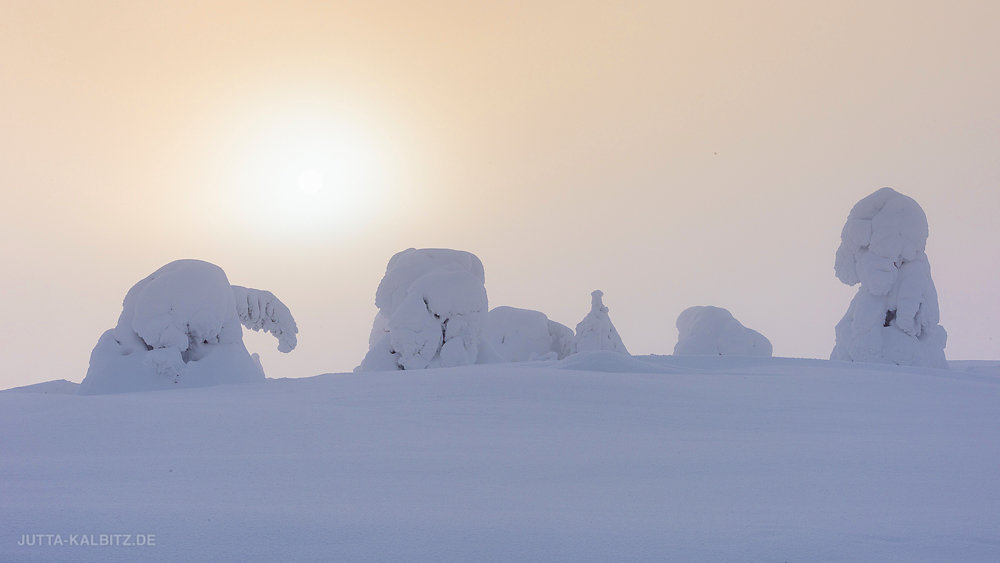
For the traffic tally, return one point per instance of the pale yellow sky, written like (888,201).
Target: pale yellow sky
(671,154)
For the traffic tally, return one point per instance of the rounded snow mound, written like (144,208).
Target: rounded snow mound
(707,330)
(181,327)
(520,335)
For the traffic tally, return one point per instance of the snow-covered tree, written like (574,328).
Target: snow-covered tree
(180,326)
(714,331)
(520,335)
(596,331)
(431,309)
(894,316)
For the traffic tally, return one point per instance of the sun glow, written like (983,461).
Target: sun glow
(310,181)
(313,173)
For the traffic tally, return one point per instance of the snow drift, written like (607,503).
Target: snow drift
(894,316)
(714,331)
(520,335)
(596,331)
(180,326)
(431,309)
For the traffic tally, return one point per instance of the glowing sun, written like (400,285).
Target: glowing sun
(313,173)
(310,181)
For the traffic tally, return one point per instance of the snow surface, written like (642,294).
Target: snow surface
(55,386)
(894,316)
(714,330)
(180,327)
(520,335)
(598,457)
(432,305)
(596,331)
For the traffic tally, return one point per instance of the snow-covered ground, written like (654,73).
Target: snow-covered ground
(596,457)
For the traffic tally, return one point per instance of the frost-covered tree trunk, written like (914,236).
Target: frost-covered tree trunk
(894,316)
(180,326)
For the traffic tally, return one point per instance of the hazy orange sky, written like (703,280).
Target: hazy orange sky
(671,154)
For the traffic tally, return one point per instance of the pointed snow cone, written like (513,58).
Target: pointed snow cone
(431,309)
(180,327)
(596,331)
(894,316)
(714,331)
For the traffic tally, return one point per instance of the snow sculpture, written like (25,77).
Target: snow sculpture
(595,331)
(180,327)
(714,331)
(894,316)
(431,310)
(520,335)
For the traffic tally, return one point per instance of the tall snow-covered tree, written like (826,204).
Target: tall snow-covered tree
(894,316)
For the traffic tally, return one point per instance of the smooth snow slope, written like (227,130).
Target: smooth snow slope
(723,459)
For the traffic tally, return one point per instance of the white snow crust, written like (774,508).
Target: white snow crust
(520,335)
(894,316)
(596,331)
(706,330)
(432,306)
(598,457)
(180,327)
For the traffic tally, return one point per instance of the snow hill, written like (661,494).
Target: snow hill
(599,457)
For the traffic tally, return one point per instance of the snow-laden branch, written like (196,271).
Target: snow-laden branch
(261,310)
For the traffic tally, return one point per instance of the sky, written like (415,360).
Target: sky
(670,154)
